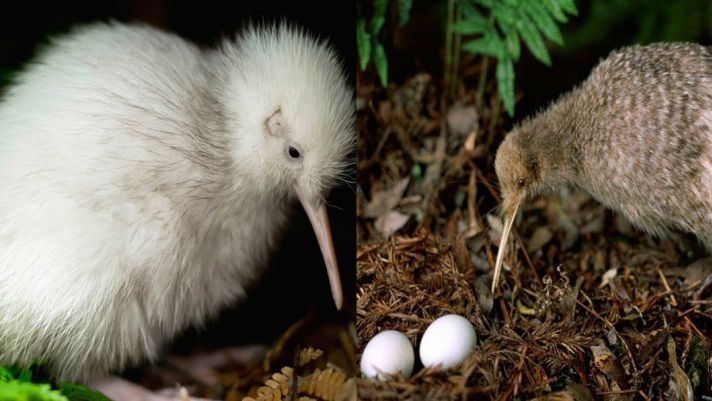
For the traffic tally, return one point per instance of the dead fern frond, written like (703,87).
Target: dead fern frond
(308,354)
(326,384)
(275,388)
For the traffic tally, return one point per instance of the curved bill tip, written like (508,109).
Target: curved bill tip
(319,219)
(508,222)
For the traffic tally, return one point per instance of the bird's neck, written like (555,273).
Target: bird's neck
(552,144)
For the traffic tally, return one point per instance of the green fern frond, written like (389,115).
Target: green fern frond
(569,6)
(505,83)
(532,38)
(363,42)
(404,7)
(509,23)
(542,19)
(380,62)
(488,45)
(511,40)
(555,10)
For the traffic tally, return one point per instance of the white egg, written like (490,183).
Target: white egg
(448,341)
(388,353)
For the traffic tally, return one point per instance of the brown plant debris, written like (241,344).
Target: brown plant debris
(307,355)
(328,384)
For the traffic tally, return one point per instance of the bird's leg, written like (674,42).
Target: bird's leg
(118,389)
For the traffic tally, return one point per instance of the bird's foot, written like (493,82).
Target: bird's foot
(119,389)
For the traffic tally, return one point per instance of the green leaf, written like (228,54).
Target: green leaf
(24,391)
(470,26)
(511,39)
(569,6)
(543,20)
(555,10)
(77,392)
(379,8)
(376,25)
(363,43)
(379,16)
(533,40)
(486,3)
(505,84)
(488,45)
(404,7)
(506,14)
(381,63)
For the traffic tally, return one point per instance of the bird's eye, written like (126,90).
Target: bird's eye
(293,152)
(521,182)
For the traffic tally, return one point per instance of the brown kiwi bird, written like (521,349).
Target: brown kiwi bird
(636,135)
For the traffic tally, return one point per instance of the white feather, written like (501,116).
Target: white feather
(140,189)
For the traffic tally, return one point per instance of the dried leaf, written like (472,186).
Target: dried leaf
(609,275)
(386,200)
(390,222)
(542,235)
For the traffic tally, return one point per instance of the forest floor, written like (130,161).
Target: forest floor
(588,308)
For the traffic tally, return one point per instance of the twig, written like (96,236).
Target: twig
(673,301)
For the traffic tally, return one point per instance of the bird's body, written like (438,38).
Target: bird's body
(636,135)
(139,191)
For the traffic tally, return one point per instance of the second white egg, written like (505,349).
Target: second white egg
(448,341)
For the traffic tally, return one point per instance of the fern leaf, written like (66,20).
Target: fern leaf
(470,27)
(541,18)
(363,43)
(379,8)
(511,41)
(486,3)
(569,6)
(381,63)
(404,7)
(488,45)
(506,14)
(533,40)
(505,84)
(326,384)
(379,16)
(555,10)
(308,354)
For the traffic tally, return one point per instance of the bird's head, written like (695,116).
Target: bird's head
(518,171)
(291,112)
(528,162)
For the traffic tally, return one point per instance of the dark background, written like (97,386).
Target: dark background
(297,280)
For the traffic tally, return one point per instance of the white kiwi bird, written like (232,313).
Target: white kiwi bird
(144,181)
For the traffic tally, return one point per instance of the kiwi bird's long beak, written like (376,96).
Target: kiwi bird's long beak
(320,223)
(509,214)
